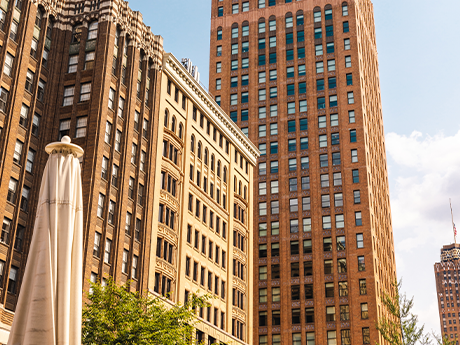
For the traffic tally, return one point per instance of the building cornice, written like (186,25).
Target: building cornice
(176,71)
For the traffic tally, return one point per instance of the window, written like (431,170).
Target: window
(107,250)
(331,335)
(300,36)
(14,30)
(92,31)
(273,74)
(235,8)
(293,205)
(358,219)
(261,60)
(12,279)
(321,103)
(262,94)
(351,98)
(366,335)
(330,47)
(336,158)
(323,140)
(356,196)
(274,187)
(331,65)
(327,222)
(318,49)
(317,17)
(344,10)
(272,58)
(275,228)
(18,152)
(292,145)
(347,44)
(319,67)
(89,60)
(289,55)
(262,168)
(9,60)
(354,156)
(3,100)
(218,67)
(273,147)
(338,200)
(355,176)
(275,207)
(335,140)
(364,311)
(337,178)
(347,61)
(361,263)
(333,101)
(359,241)
(68,95)
(30,160)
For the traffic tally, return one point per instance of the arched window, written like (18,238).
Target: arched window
(212,162)
(299,18)
(235,30)
(317,14)
(192,143)
(261,28)
(239,188)
(245,192)
(173,124)
(289,20)
(344,9)
(225,174)
(206,156)
(218,168)
(92,31)
(199,150)
(166,119)
(181,129)
(328,12)
(245,29)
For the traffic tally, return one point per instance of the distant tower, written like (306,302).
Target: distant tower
(447,273)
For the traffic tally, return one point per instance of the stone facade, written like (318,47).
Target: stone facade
(204,235)
(301,78)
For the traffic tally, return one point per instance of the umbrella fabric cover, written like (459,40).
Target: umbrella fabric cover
(50,302)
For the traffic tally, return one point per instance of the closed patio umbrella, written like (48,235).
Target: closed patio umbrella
(49,308)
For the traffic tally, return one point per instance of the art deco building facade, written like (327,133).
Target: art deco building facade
(203,240)
(301,79)
(88,70)
(447,274)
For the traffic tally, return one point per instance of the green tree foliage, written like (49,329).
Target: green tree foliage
(444,340)
(400,327)
(115,316)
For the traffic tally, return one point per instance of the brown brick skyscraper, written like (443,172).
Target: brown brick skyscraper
(88,70)
(301,79)
(447,273)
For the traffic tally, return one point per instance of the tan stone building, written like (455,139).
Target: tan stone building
(203,238)
(301,79)
(447,275)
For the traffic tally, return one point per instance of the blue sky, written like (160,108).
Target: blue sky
(419,51)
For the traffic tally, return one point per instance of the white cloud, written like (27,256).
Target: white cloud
(424,174)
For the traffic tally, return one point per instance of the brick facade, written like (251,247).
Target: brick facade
(312,105)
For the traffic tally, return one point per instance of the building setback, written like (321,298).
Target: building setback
(300,78)
(447,274)
(93,71)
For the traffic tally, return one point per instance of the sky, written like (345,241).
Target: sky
(419,67)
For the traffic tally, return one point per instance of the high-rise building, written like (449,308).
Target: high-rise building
(90,71)
(300,78)
(203,240)
(447,274)
(93,71)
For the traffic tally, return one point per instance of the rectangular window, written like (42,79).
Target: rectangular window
(320,67)
(351,98)
(68,95)
(347,61)
(355,174)
(347,44)
(330,47)
(330,65)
